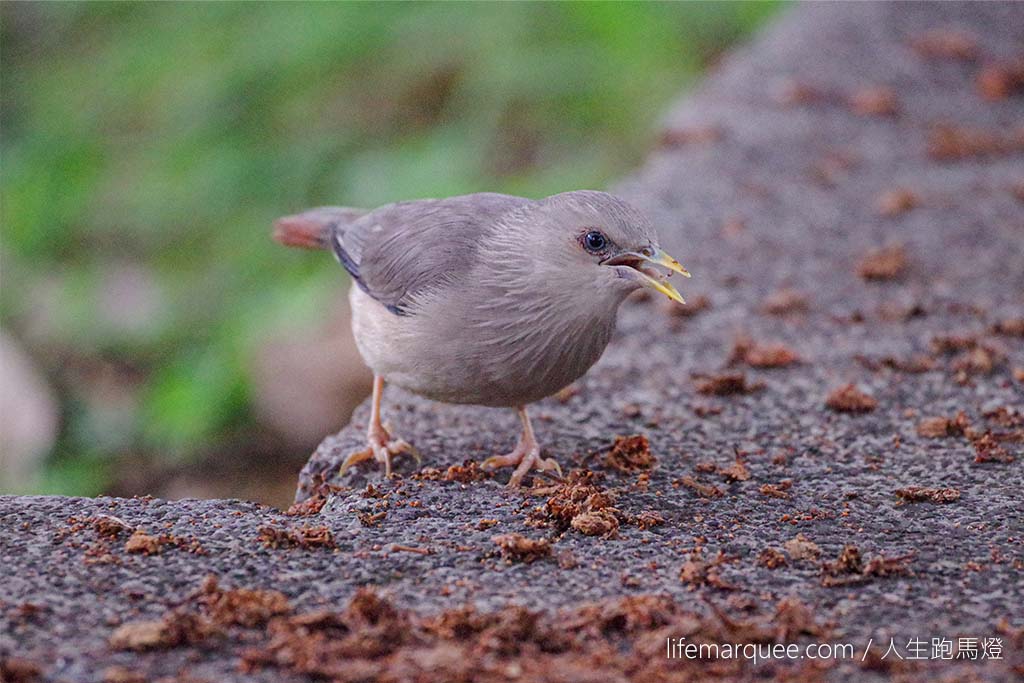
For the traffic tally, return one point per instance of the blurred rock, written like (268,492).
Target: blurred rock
(307,382)
(28,417)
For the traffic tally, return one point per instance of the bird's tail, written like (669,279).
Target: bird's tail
(312,229)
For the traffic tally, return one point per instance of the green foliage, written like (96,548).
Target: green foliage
(147,147)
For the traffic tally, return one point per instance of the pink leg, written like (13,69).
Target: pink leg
(379,444)
(526,455)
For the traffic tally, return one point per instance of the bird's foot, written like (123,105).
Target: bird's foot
(524,458)
(380,446)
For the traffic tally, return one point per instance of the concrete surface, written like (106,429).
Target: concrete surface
(845,128)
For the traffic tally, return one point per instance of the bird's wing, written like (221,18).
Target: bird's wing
(400,250)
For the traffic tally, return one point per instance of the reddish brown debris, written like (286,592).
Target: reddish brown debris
(19,670)
(177,627)
(912,365)
(110,526)
(939,427)
(850,399)
(697,572)
(952,343)
(241,606)
(305,537)
(601,522)
(648,519)
(1001,80)
(772,558)
(780,490)
(737,471)
(466,473)
(919,494)
(946,43)
(988,449)
(142,543)
(874,101)
(762,355)
(850,570)
(887,263)
(703,490)
(518,548)
(896,202)
(630,454)
(980,360)
(784,301)
(801,548)
(954,143)
(311,506)
(726,384)
(1011,327)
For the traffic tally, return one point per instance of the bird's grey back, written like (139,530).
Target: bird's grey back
(401,250)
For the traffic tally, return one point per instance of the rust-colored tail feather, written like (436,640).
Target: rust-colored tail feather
(312,229)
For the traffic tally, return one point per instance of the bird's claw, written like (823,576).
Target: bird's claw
(381,447)
(524,460)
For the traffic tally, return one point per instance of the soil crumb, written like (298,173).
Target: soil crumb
(850,399)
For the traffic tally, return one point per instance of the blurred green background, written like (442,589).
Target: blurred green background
(148,319)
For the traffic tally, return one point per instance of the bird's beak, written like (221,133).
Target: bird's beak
(633,265)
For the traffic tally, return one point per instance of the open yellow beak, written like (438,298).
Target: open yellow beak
(649,277)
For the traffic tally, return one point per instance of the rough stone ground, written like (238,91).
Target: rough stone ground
(845,128)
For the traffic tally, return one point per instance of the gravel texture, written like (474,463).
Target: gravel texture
(848,191)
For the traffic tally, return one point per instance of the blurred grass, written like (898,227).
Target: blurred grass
(147,147)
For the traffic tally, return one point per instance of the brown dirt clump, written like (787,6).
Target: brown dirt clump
(142,543)
(941,427)
(762,355)
(955,143)
(580,504)
(630,454)
(918,494)
(726,384)
(772,558)
(110,526)
(697,571)
(242,606)
(596,523)
(897,202)
(701,489)
(466,473)
(176,628)
(946,43)
(311,506)
(886,263)
(518,548)
(988,449)
(850,399)
(780,490)
(1011,327)
(874,101)
(849,569)
(1001,80)
(737,471)
(305,537)
(18,670)
(801,548)
(785,301)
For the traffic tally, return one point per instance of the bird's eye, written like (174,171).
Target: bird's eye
(595,242)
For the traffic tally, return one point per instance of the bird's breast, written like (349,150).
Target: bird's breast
(489,353)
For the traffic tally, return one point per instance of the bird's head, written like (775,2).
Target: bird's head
(595,243)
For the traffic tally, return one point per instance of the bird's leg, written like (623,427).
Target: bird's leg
(526,455)
(379,444)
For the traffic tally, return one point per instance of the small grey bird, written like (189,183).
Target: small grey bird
(485,299)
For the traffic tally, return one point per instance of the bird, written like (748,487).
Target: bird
(485,299)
